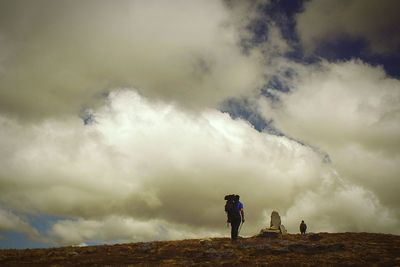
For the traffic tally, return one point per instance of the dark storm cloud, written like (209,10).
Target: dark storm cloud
(375,21)
(57,57)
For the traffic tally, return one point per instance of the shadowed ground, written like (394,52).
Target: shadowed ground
(323,249)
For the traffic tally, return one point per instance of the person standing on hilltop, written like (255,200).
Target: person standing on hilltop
(303,227)
(235,214)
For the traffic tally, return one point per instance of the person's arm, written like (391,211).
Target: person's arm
(242,213)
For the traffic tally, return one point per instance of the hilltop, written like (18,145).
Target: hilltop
(322,249)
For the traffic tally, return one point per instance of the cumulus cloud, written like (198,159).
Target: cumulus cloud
(120,229)
(351,111)
(148,165)
(11,222)
(375,21)
(349,207)
(58,58)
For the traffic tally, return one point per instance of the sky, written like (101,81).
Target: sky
(130,121)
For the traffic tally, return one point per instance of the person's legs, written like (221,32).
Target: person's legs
(235,228)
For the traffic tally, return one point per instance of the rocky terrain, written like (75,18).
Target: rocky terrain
(322,249)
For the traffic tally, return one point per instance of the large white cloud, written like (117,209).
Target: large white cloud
(149,161)
(351,111)
(60,57)
(375,21)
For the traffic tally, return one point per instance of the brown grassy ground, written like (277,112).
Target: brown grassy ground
(323,249)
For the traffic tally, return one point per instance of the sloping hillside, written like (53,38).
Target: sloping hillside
(323,249)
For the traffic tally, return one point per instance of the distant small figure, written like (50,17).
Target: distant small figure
(303,227)
(235,214)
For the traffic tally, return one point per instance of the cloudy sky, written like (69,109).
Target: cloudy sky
(124,121)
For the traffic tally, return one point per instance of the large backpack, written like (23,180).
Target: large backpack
(231,207)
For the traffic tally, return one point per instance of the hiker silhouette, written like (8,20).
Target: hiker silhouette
(235,214)
(303,227)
